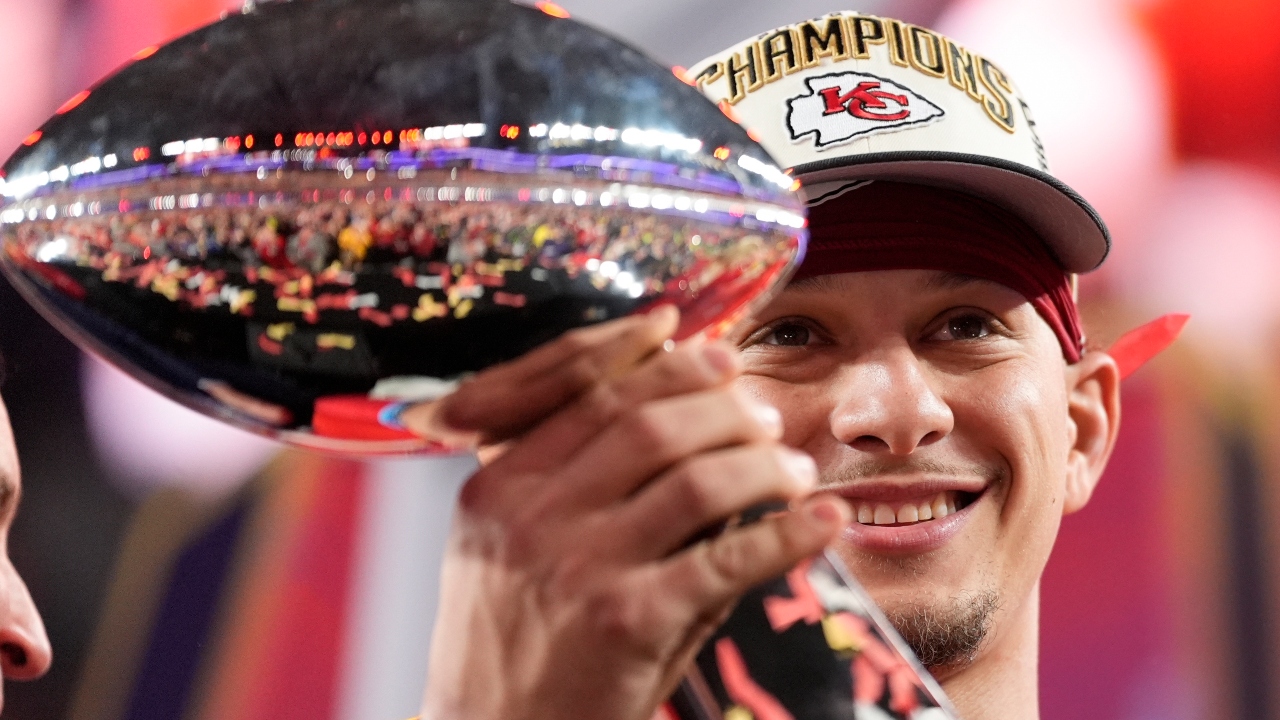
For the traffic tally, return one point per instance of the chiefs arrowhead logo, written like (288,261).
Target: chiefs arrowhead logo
(843,106)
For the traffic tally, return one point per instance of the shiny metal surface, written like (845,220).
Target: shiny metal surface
(297,216)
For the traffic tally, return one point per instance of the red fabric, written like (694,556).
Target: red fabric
(354,417)
(899,226)
(1139,345)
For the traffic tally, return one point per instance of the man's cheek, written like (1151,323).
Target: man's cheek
(1021,428)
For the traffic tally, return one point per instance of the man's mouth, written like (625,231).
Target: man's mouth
(912,517)
(911,511)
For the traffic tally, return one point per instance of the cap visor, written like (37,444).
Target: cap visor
(1069,226)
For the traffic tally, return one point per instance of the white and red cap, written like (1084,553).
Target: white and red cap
(846,98)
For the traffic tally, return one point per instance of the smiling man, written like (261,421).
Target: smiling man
(920,394)
(946,397)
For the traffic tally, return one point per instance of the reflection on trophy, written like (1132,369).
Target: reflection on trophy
(291,237)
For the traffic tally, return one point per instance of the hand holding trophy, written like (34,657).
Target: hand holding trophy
(421,225)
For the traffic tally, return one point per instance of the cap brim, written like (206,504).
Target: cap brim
(1069,226)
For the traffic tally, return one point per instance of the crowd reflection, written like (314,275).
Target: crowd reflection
(448,258)
(287,301)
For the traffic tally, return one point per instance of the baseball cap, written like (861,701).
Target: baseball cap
(847,98)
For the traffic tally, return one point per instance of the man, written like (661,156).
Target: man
(927,360)
(24,648)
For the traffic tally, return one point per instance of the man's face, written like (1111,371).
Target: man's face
(24,648)
(937,405)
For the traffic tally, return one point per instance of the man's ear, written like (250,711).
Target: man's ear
(1093,407)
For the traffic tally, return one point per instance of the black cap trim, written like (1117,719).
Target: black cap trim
(850,161)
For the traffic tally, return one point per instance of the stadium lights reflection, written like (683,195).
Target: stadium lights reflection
(415,138)
(24,185)
(53,250)
(632,196)
(631,136)
(766,171)
(89,165)
(656,138)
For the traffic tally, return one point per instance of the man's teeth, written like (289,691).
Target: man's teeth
(934,508)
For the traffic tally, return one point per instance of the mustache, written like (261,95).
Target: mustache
(870,468)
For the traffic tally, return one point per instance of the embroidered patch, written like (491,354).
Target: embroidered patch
(842,106)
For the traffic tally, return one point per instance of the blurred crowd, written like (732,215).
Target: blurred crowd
(311,255)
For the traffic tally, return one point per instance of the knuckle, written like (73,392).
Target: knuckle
(476,497)
(583,371)
(600,406)
(618,614)
(728,559)
(648,430)
(697,482)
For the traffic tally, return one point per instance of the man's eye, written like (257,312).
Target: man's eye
(789,335)
(966,327)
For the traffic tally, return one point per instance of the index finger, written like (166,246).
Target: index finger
(508,399)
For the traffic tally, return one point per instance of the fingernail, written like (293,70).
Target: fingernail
(427,422)
(800,466)
(768,417)
(826,512)
(723,360)
(664,314)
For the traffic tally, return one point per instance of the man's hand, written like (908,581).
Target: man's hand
(570,588)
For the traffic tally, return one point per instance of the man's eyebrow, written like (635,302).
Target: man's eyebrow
(951,281)
(816,282)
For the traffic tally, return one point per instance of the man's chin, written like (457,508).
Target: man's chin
(945,634)
(942,610)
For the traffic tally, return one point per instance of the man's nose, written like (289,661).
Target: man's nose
(885,403)
(25,653)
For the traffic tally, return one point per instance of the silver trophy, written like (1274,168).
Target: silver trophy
(303,216)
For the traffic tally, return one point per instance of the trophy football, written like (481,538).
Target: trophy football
(311,212)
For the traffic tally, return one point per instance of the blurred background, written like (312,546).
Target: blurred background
(187,570)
